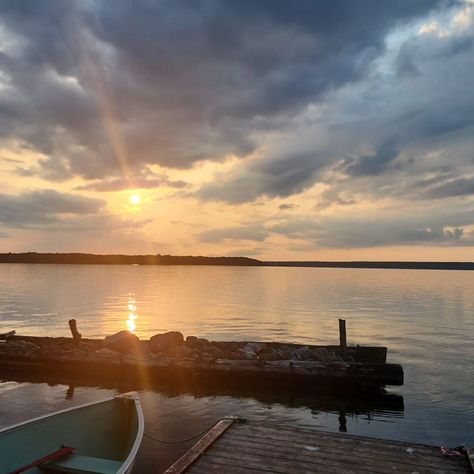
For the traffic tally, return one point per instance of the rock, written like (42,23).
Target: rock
(106,353)
(332,357)
(166,342)
(320,354)
(247,352)
(215,351)
(206,357)
(197,342)
(302,353)
(22,345)
(184,352)
(268,353)
(123,341)
(285,354)
(129,359)
(78,353)
(255,346)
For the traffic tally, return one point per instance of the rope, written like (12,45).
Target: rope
(184,440)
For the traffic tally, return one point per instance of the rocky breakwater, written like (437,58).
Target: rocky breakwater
(171,355)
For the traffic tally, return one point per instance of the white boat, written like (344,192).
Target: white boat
(101,437)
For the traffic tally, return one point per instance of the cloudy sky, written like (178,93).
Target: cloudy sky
(273,129)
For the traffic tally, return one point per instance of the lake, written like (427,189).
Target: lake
(424,317)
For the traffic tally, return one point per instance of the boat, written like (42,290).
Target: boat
(101,437)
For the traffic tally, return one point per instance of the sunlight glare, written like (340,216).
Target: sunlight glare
(131,325)
(134,199)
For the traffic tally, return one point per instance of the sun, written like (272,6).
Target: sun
(134,199)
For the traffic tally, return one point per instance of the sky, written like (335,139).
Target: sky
(279,130)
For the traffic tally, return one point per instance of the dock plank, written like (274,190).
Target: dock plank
(258,448)
(324,455)
(200,447)
(337,443)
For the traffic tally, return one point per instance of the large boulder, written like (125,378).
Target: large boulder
(166,342)
(123,341)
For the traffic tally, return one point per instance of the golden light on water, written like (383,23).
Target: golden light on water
(132,316)
(134,199)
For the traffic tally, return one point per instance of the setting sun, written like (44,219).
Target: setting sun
(135,199)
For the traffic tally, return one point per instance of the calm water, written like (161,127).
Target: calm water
(424,317)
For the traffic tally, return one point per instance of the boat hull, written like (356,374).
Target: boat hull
(108,431)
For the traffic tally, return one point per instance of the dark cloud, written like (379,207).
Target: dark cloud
(44,207)
(450,188)
(373,164)
(271,177)
(104,89)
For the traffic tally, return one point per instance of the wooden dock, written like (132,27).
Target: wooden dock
(233,447)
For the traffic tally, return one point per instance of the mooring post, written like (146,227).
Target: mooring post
(75,333)
(342,334)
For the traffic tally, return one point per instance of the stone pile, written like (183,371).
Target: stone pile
(173,345)
(168,346)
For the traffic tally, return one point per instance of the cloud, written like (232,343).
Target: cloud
(255,232)
(385,229)
(450,188)
(60,212)
(44,207)
(332,197)
(103,90)
(270,177)
(373,164)
(287,206)
(121,184)
(362,114)
(245,252)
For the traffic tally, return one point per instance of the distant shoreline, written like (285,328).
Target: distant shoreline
(93,259)
(381,265)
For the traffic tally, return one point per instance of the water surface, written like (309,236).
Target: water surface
(424,317)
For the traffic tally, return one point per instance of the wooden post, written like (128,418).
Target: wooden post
(342,334)
(75,333)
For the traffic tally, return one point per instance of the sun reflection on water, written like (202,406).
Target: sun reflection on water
(132,308)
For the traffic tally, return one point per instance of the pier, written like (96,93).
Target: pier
(236,447)
(168,357)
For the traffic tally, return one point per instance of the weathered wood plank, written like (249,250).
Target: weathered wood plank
(286,432)
(324,455)
(276,464)
(200,447)
(206,465)
(359,447)
(257,448)
(270,459)
(365,449)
